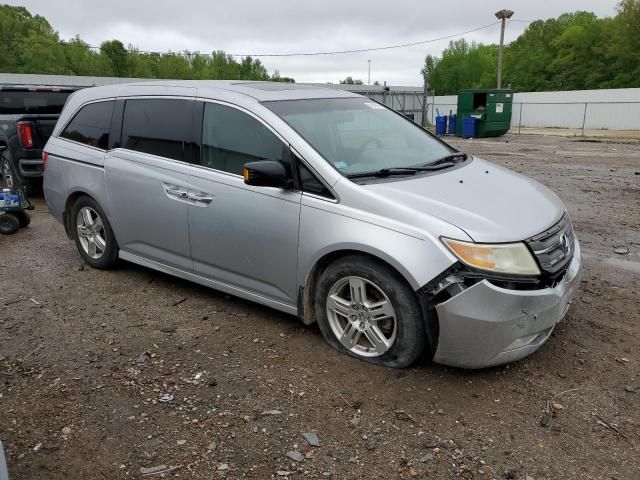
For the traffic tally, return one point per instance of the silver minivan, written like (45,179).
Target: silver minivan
(319,203)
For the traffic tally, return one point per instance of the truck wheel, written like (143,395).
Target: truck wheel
(93,235)
(368,311)
(9,223)
(24,218)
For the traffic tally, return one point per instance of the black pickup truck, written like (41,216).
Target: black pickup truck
(27,117)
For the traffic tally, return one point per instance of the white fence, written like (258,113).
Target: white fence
(612,109)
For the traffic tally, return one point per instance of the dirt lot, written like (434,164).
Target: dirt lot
(86,356)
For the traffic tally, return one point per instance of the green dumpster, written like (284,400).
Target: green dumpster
(490,107)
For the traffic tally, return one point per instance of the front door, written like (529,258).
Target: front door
(147,181)
(242,236)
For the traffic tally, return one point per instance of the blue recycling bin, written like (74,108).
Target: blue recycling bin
(452,125)
(441,125)
(468,127)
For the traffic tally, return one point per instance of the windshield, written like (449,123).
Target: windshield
(17,101)
(358,135)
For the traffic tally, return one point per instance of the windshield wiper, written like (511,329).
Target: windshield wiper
(449,158)
(385,172)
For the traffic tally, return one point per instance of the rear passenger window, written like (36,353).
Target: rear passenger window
(157,126)
(91,125)
(231,138)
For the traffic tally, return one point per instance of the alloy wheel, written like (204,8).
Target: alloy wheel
(361,316)
(91,234)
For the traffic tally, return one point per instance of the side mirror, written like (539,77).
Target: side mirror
(266,173)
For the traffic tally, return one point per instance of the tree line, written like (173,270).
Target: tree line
(576,51)
(29,44)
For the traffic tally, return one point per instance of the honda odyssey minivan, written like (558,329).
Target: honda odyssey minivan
(319,203)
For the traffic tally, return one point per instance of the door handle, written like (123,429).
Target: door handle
(175,191)
(200,197)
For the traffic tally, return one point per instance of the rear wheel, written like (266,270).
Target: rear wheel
(93,235)
(367,310)
(9,223)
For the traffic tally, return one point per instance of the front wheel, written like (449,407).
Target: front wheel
(367,310)
(93,235)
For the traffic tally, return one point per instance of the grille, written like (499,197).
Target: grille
(553,248)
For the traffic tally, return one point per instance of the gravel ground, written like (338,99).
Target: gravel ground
(104,375)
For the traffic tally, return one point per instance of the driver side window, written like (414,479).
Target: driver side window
(231,138)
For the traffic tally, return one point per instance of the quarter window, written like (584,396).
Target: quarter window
(231,138)
(157,126)
(91,125)
(310,182)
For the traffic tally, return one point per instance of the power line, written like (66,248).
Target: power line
(297,54)
(361,50)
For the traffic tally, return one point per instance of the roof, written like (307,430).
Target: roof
(259,91)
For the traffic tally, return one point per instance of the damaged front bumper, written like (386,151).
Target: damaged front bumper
(486,325)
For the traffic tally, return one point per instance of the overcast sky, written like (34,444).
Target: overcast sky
(291,26)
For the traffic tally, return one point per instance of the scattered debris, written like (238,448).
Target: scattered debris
(181,442)
(545,420)
(355,421)
(426,458)
(371,443)
(272,412)
(143,358)
(34,301)
(312,439)
(295,455)
(431,443)
(557,406)
(404,416)
(166,398)
(629,389)
(223,466)
(178,302)
(152,470)
(283,473)
(66,431)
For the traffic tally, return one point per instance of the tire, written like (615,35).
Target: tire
(9,223)
(24,218)
(93,234)
(385,328)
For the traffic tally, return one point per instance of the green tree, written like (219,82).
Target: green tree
(28,44)
(430,63)
(350,81)
(574,51)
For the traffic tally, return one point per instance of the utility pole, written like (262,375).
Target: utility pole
(502,15)
(369,82)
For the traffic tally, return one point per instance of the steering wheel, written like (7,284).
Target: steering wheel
(365,144)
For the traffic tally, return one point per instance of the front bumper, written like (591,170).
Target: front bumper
(486,325)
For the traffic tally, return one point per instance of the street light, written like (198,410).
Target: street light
(369,80)
(502,15)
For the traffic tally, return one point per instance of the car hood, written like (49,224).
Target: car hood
(488,202)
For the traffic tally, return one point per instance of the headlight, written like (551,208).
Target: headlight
(508,258)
